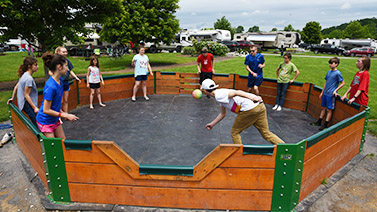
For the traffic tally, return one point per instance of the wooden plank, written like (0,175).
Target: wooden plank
(87,156)
(217,199)
(168,82)
(167,90)
(30,146)
(220,178)
(189,86)
(183,81)
(328,162)
(214,159)
(188,75)
(185,91)
(334,138)
(239,160)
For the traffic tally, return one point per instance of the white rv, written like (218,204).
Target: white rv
(271,40)
(211,35)
(351,43)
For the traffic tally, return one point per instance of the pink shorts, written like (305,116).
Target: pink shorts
(48,128)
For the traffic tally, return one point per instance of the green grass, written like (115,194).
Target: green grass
(4,109)
(312,70)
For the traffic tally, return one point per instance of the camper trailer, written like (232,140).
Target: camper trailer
(351,43)
(210,35)
(271,40)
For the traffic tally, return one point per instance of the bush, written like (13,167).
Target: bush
(213,47)
(188,50)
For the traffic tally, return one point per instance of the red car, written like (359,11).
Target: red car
(363,51)
(244,44)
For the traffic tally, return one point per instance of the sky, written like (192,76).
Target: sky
(268,14)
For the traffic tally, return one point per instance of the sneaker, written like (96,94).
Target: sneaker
(133,99)
(315,124)
(279,108)
(146,98)
(323,126)
(275,107)
(7,137)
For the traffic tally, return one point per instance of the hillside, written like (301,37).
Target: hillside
(370,22)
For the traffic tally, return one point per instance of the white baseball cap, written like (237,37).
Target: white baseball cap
(209,84)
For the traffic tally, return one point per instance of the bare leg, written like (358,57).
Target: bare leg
(91,98)
(65,101)
(256,89)
(136,88)
(59,132)
(144,87)
(99,97)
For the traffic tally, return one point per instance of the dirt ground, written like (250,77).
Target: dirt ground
(350,189)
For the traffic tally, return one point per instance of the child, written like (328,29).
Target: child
(141,64)
(26,89)
(329,92)
(254,65)
(205,65)
(48,115)
(360,84)
(249,107)
(94,77)
(284,79)
(63,51)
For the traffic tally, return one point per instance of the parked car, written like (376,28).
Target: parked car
(327,48)
(244,44)
(232,45)
(364,51)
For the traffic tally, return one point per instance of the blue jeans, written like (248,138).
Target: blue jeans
(30,112)
(282,89)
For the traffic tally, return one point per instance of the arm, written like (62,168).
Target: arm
(357,94)
(28,99)
(346,94)
(250,71)
(294,78)
(339,87)
(244,94)
(277,72)
(133,62)
(213,66)
(150,69)
(198,66)
(13,94)
(220,117)
(262,65)
(87,78)
(323,89)
(75,76)
(47,110)
(100,75)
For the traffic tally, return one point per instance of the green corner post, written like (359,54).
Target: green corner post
(56,174)
(288,176)
(367,110)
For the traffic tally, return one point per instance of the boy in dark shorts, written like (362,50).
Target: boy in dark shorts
(254,65)
(205,65)
(329,93)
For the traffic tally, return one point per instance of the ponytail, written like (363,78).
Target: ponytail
(28,62)
(53,60)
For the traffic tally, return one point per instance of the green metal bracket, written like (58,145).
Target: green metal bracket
(56,174)
(258,149)
(166,170)
(367,110)
(78,144)
(308,99)
(78,93)
(155,82)
(288,175)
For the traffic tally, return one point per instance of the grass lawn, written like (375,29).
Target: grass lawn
(312,70)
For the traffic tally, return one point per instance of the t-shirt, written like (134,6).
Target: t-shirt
(26,80)
(253,63)
(286,71)
(69,69)
(94,75)
(333,78)
(206,62)
(51,92)
(234,104)
(141,66)
(360,82)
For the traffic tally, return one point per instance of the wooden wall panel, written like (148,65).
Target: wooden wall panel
(238,160)
(30,146)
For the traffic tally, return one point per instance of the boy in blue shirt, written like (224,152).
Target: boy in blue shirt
(329,92)
(254,65)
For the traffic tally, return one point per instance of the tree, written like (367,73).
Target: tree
(254,29)
(289,28)
(353,30)
(335,34)
(223,23)
(239,29)
(49,22)
(311,33)
(147,20)
(274,29)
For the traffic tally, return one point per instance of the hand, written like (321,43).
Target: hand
(320,95)
(254,74)
(260,66)
(78,79)
(103,82)
(70,117)
(351,100)
(9,101)
(343,97)
(335,94)
(151,73)
(87,85)
(213,71)
(290,81)
(258,99)
(36,109)
(199,72)
(209,126)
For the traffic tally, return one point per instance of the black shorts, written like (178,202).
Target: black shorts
(94,85)
(205,75)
